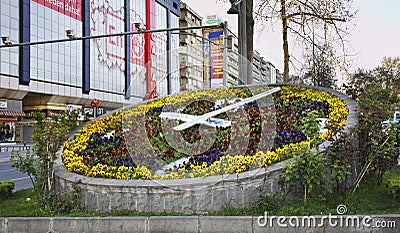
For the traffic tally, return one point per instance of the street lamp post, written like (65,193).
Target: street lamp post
(71,37)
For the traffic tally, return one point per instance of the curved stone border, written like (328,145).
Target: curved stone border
(196,195)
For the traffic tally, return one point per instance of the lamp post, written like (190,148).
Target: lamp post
(94,104)
(71,37)
(239,7)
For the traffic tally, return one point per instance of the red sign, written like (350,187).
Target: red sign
(71,8)
(154,94)
(115,46)
(95,102)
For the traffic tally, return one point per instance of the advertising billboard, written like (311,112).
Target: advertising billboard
(216,59)
(59,63)
(71,8)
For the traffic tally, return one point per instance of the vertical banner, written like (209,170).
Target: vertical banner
(216,59)
(150,55)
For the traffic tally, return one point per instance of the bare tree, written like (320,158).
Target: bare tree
(319,69)
(319,24)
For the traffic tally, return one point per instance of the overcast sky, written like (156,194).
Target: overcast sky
(376,35)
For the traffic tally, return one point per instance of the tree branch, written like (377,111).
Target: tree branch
(315,15)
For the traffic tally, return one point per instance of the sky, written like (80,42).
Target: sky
(376,33)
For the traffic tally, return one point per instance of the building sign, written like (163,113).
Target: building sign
(3,104)
(71,8)
(108,54)
(213,20)
(216,59)
(148,51)
(90,112)
(108,19)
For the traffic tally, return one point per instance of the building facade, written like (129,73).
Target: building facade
(191,52)
(232,54)
(264,72)
(216,53)
(114,70)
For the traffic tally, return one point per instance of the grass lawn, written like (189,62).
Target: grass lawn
(19,206)
(369,199)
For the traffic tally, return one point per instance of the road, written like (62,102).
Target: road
(7,172)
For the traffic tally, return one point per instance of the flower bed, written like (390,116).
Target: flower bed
(133,143)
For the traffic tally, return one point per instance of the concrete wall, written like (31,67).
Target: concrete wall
(187,224)
(197,195)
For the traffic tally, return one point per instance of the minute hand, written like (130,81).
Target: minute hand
(240,103)
(208,115)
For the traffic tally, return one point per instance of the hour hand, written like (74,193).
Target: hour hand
(191,120)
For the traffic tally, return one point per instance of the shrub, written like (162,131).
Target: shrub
(6,188)
(391,181)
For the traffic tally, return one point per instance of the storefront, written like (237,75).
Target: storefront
(10,115)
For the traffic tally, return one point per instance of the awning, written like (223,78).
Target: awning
(11,114)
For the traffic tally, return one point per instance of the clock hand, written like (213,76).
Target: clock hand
(206,118)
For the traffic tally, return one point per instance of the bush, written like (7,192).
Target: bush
(391,181)
(6,188)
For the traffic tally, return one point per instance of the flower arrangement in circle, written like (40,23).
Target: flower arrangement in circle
(102,148)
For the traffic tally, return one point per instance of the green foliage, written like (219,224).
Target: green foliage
(63,202)
(309,124)
(26,163)
(378,149)
(6,188)
(386,76)
(376,92)
(341,155)
(268,202)
(25,203)
(48,135)
(391,180)
(308,170)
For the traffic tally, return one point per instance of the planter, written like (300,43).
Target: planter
(190,195)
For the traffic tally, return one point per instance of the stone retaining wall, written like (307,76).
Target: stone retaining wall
(197,195)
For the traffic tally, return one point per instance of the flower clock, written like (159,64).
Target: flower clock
(136,143)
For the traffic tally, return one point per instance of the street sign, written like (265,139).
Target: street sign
(213,20)
(95,102)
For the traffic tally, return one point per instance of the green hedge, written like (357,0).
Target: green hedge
(6,188)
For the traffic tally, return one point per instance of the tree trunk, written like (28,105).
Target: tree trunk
(249,40)
(285,42)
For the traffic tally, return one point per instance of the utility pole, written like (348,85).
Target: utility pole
(242,44)
(313,55)
(245,36)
